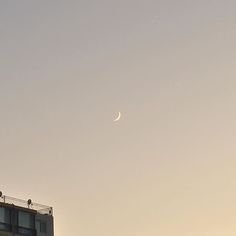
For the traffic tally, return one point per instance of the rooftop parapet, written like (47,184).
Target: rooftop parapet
(41,209)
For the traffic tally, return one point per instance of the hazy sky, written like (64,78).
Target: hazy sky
(168,167)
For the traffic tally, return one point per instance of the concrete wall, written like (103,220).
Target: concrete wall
(5,234)
(8,234)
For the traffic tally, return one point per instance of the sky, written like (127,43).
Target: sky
(168,166)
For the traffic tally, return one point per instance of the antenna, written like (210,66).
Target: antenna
(29,202)
(2,196)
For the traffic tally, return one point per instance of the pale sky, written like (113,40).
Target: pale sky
(168,167)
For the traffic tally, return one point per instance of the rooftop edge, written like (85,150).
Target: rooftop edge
(40,208)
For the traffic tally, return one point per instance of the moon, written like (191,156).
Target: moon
(118,117)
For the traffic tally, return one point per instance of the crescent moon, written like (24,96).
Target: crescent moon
(118,117)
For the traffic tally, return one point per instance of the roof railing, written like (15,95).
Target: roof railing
(41,209)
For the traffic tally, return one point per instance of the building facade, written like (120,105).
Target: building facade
(24,218)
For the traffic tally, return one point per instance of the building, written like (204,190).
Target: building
(24,218)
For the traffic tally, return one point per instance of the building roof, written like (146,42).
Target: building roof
(27,205)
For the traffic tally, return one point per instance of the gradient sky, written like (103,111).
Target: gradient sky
(168,167)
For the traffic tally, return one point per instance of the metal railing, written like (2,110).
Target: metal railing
(41,209)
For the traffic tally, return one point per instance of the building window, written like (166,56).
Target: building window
(5,215)
(41,226)
(5,219)
(26,220)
